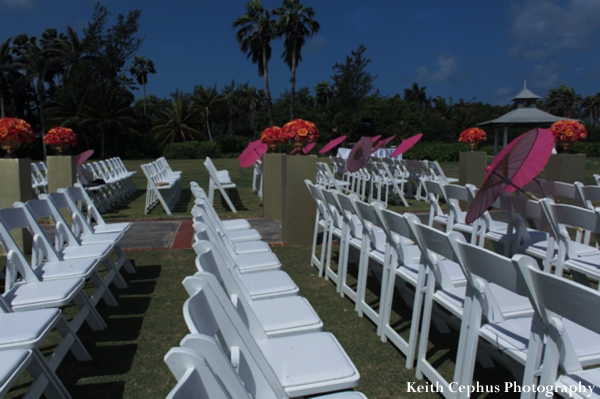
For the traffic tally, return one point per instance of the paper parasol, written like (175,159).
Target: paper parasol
(374,139)
(309,147)
(332,144)
(516,165)
(407,144)
(84,156)
(383,143)
(251,146)
(359,154)
(253,155)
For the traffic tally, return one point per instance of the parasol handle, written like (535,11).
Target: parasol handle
(519,189)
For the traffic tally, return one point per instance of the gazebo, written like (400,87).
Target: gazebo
(524,114)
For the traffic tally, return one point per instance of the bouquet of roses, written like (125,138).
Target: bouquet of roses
(472,135)
(60,136)
(568,130)
(300,130)
(15,130)
(272,135)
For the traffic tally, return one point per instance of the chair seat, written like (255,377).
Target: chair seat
(70,268)
(53,293)
(256,261)
(26,329)
(286,316)
(247,247)
(243,235)
(12,361)
(99,251)
(585,378)
(236,224)
(112,228)
(106,238)
(309,359)
(269,284)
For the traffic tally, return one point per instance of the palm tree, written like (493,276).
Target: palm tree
(175,124)
(108,111)
(296,23)
(563,101)
(207,101)
(6,68)
(324,91)
(140,69)
(250,100)
(68,52)
(257,29)
(591,105)
(416,94)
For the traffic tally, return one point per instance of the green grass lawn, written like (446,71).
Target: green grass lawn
(128,355)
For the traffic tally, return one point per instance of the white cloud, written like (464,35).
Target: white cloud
(543,27)
(446,70)
(545,76)
(315,45)
(18,3)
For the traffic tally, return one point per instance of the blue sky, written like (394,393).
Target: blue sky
(459,48)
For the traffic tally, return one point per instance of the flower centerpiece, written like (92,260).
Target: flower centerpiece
(472,135)
(272,136)
(568,131)
(14,132)
(300,132)
(60,137)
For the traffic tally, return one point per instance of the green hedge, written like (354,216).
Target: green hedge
(192,150)
(231,144)
(589,149)
(436,151)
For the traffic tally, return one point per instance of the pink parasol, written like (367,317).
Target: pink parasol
(515,166)
(359,154)
(295,150)
(253,155)
(332,144)
(309,147)
(251,146)
(407,144)
(84,156)
(374,139)
(383,143)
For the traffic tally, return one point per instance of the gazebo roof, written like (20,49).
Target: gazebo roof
(524,116)
(525,94)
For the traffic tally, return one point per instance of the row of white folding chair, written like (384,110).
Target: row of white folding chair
(294,365)
(224,225)
(265,299)
(163,187)
(39,180)
(120,183)
(326,178)
(396,181)
(219,180)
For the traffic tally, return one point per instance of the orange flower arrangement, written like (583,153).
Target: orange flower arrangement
(472,135)
(272,135)
(568,130)
(60,136)
(15,130)
(300,130)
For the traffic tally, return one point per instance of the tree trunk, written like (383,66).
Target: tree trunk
(1,105)
(293,82)
(42,120)
(267,91)
(144,86)
(208,130)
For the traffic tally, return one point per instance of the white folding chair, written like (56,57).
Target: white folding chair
(231,224)
(205,369)
(298,365)
(218,182)
(259,285)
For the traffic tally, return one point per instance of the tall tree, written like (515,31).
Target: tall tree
(296,23)
(417,95)
(6,69)
(351,81)
(207,101)
(256,30)
(563,101)
(140,69)
(591,106)
(176,124)
(323,92)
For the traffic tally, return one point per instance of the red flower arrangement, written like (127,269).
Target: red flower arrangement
(568,130)
(60,136)
(272,135)
(15,130)
(472,135)
(300,130)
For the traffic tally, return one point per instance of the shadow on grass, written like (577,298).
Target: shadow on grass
(235,198)
(126,204)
